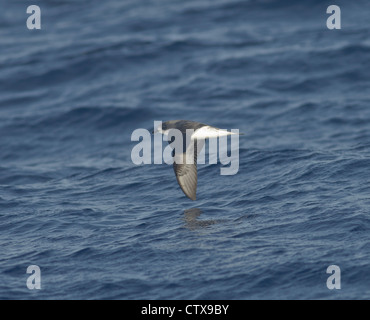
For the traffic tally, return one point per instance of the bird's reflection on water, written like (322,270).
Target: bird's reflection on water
(191,219)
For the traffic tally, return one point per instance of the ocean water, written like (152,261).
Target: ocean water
(99,227)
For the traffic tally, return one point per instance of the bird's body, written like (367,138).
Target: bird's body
(185,166)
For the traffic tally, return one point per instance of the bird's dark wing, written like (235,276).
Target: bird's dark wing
(185,167)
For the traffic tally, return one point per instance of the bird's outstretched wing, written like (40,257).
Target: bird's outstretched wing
(186,171)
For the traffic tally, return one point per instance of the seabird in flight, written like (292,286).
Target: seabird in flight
(185,163)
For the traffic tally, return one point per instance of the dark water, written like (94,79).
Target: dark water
(99,227)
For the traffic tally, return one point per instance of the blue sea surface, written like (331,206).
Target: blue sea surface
(100,227)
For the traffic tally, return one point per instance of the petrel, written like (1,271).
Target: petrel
(185,166)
